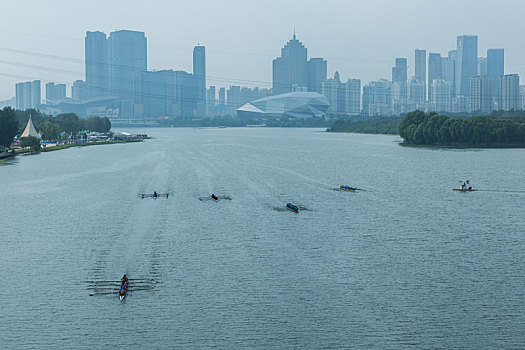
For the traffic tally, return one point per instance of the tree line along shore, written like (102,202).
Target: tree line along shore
(500,129)
(63,130)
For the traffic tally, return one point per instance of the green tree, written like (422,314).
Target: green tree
(8,126)
(50,131)
(68,122)
(30,141)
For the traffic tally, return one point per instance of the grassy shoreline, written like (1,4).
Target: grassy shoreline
(59,147)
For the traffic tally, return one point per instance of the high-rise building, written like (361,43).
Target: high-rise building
(27,94)
(495,67)
(495,62)
(55,92)
(435,71)
(127,53)
(157,93)
(97,64)
(377,98)
(331,88)
(80,90)
(352,89)
(466,64)
(233,97)
(481,98)
(417,94)
(36,93)
(291,68)
(185,94)
(440,95)
(421,67)
(317,73)
(399,71)
(509,92)
(449,71)
(522,97)
(482,65)
(222,96)
(199,71)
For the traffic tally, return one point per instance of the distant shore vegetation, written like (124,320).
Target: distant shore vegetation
(370,126)
(500,129)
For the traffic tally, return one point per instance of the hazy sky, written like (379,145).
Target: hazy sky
(359,38)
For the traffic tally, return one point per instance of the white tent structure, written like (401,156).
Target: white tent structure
(30,130)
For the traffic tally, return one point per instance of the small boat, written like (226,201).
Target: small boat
(154,195)
(465,187)
(292,207)
(123,289)
(348,188)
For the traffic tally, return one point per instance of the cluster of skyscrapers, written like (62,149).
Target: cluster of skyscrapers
(461,82)
(118,83)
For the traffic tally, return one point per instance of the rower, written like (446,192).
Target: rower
(213,196)
(124,279)
(155,194)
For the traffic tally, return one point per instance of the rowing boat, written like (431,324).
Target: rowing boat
(464,189)
(292,207)
(123,290)
(348,188)
(149,195)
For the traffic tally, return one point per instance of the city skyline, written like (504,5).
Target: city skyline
(250,49)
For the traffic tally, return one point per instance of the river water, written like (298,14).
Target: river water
(405,263)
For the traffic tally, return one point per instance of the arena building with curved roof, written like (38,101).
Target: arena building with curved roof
(291,105)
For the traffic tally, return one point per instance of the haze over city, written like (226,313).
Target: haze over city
(359,39)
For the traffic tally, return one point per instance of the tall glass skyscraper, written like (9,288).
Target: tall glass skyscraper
(466,63)
(421,67)
(97,65)
(435,71)
(127,53)
(317,73)
(291,68)
(199,72)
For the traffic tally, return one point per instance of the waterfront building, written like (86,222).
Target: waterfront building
(466,63)
(291,68)
(421,67)
(440,96)
(481,98)
(199,72)
(509,92)
(97,64)
(55,92)
(289,105)
(317,73)
(435,71)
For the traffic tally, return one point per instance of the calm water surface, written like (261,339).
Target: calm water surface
(408,263)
